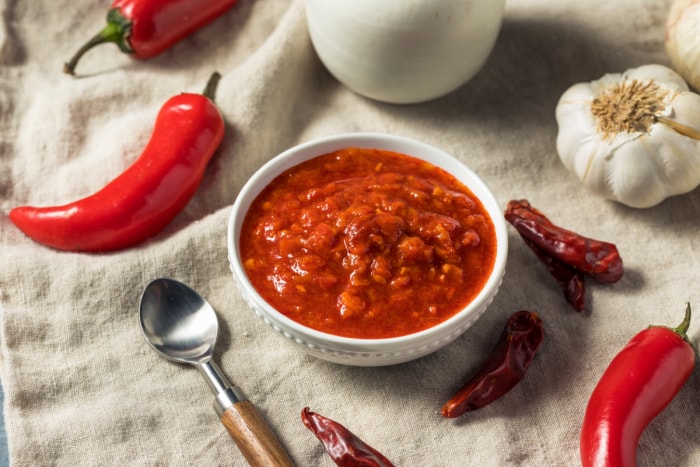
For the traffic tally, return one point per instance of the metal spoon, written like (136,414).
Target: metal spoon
(181,326)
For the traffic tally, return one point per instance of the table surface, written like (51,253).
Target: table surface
(4,454)
(81,387)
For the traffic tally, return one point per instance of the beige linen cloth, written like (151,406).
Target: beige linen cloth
(83,388)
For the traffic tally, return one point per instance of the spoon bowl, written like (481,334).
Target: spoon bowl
(182,327)
(177,322)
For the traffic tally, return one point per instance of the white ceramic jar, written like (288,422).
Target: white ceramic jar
(404,51)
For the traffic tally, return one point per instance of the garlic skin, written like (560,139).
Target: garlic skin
(682,39)
(632,137)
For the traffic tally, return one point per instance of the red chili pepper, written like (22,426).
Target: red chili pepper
(346,449)
(148,195)
(145,28)
(639,383)
(572,282)
(598,259)
(503,369)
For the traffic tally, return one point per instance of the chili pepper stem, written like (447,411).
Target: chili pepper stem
(210,88)
(117,30)
(682,328)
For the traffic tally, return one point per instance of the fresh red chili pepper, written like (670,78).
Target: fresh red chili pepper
(146,196)
(503,369)
(144,28)
(572,282)
(346,449)
(598,259)
(637,385)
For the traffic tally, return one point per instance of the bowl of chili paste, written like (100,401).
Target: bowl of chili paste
(367,249)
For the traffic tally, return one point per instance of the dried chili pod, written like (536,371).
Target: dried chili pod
(596,258)
(503,369)
(346,449)
(571,281)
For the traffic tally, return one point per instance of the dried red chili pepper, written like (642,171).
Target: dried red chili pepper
(638,384)
(503,369)
(596,258)
(571,281)
(346,449)
(144,28)
(148,195)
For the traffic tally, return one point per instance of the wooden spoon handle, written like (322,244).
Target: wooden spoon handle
(254,438)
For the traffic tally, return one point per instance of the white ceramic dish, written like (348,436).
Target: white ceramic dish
(366,352)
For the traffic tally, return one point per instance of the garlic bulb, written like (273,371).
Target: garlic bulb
(632,137)
(682,39)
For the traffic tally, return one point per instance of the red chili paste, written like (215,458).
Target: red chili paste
(367,243)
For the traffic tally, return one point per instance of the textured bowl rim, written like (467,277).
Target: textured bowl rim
(317,147)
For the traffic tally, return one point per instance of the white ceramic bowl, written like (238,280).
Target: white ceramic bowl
(366,352)
(404,51)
